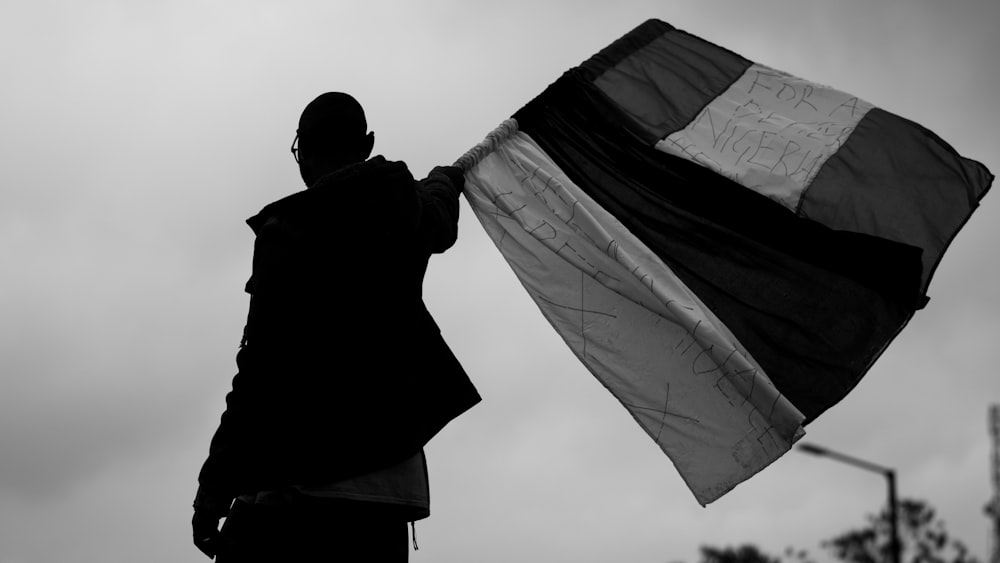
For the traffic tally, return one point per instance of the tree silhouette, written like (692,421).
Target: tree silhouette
(923,538)
(746,553)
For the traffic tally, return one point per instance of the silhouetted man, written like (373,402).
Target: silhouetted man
(343,375)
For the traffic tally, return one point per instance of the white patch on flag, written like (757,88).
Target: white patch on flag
(641,332)
(770,132)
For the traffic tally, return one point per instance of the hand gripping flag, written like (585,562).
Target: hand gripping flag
(726,247)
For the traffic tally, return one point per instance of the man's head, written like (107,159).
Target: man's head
(332,133)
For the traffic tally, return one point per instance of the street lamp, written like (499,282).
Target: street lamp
(890,475)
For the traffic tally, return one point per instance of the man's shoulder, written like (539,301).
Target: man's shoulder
(271,214)
(375,170)
(374,183)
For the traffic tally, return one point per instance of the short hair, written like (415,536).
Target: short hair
(333,121)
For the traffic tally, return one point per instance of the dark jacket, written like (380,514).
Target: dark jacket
(342,370)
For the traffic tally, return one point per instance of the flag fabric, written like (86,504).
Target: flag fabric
(727,248)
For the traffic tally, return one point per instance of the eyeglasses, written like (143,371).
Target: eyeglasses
(295,147)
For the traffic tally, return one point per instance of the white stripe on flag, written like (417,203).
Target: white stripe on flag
(648,339)
(770,132)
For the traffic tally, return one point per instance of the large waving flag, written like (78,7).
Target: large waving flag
(726,247)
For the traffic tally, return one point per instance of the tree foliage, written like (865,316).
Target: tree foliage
(922,537)
(746,553)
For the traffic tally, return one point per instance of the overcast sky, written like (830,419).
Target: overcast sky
(138,136)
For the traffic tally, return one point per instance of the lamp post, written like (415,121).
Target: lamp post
(889,474)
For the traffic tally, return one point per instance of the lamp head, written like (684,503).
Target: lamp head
(813,449)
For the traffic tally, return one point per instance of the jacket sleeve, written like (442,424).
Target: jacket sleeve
(230,468)
(437,196)
(220,479)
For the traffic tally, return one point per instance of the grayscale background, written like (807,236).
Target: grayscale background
(136,137)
